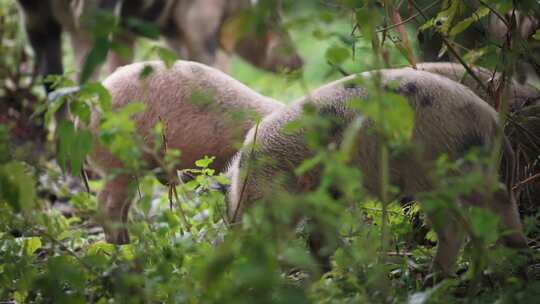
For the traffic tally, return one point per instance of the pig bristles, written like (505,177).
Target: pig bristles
(235,214)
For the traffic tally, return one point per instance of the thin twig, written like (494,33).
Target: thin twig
(339,69)
(407,20)
(136,176)
(237,209)
(400,254)
(525,181)
(184,218)
(85,179)
(396,17)
(530,136)
(170,196)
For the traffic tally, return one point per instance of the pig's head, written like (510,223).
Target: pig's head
(258,35)
(272,50)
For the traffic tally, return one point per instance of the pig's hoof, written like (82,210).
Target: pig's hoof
(119,236)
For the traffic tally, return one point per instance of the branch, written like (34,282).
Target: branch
(407,20)
(525,181)
(248,169)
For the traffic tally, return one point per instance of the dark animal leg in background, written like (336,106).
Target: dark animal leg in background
(47,45)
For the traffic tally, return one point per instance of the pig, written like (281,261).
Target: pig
(200,27)
(197,129)
(449,119)
(194,29)
(528,64)
(45,34)
(526,25)
(519,95)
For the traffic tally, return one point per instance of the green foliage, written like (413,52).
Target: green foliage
(17,186)
(73,146)
(337,55)
(183,250)
(96,56)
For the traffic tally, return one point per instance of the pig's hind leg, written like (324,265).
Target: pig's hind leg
(114,201)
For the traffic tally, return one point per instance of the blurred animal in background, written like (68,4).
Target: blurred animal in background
(203,111)
(482,31)
(519,28)
(431,40)
(208,31)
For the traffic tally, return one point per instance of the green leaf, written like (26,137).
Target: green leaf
(143,28)
(66,135)
(326,16)
(73,146)
(31,245)
(202,98)
(101,247)
(484,224)
(298,256)
(122,50)
(431,236)
(222,179)
(97,55)
(427,25)
(167,56)
(118,134)
(204,162)
(391,112)
(132,109)
(5,153)
(446,17)
(146,71)
(96,88)
(348,145)
(127,252)
(309,164)
(17,186)
(81,110)
(337,54)
(367,22)
(465,23)
(537,35)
